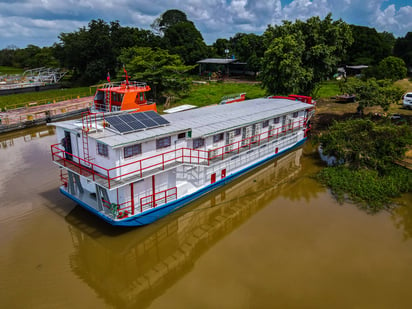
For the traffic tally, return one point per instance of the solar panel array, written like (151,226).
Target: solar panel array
(127,123)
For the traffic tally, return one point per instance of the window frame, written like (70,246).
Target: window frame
(218,137)
(198,143)
(102,149)
(163,142)
(134,150)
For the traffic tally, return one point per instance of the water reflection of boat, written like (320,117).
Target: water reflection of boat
(133,268)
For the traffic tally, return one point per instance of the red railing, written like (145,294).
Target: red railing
(121,210)
(256,139)
(181,155)
(64,178)
(88,119)
(164,196)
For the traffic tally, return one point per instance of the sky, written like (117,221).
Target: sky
(39,22)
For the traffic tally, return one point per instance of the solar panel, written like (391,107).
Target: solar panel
(113,119)
(126,123)
(136,125)
(139,116)
(121,127)
(149,123)
(151,114)
(160,120)
(127,118)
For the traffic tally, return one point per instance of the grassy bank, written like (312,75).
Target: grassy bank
(10,70)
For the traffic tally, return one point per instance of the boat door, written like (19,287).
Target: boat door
(67,144)
(284,123)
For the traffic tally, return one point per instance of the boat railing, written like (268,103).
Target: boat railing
(119,175)
(118,211)
(124,84)
(158,198)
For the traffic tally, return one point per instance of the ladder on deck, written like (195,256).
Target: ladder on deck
(108,99)
(86,125)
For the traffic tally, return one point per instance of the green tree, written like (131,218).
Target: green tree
(301,55)
(248,48)
(219,47)
(367,152)
(369,47)
(167,20)
(186,41)
(7,55)
(361,143)
(161,70)
(391,67)
(283,72)
(403,49)
(372,92)
(93,51)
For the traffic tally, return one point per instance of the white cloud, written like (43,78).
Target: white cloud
(36,22)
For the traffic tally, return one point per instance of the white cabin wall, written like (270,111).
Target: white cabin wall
(149,151)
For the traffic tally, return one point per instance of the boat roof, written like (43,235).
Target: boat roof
(203,122)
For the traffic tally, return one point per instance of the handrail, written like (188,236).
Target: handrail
(194,156)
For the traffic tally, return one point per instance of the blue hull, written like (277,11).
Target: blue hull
(165,209)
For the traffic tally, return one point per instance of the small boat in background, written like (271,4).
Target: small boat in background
(121,96)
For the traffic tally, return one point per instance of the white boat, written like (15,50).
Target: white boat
(131,169)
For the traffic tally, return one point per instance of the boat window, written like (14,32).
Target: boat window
(265,124)
(181,135)
(141,96)
(295,114)
(99,96)
(102,149)
(163,142)
(238,131)
(133,150)
(217,137)
(198,142)
(276,120)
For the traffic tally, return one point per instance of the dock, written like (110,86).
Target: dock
(33,114)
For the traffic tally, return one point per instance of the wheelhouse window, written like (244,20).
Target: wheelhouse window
(133,150)
(102,149)
(265,124)
(217,137)
(295,114)
(198,142)
(163,142)
(181,135)
(276,120)
(238,131)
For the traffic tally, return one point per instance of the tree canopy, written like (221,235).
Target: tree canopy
(167,20)
(186,41)
(391,67)
(301,55)
(369,47)
(372,92)
(403,49)
(368,150)
(362,143)
(161,70)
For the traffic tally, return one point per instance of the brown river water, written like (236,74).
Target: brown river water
(274,238)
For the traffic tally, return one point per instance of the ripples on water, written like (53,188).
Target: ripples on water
(273,238)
